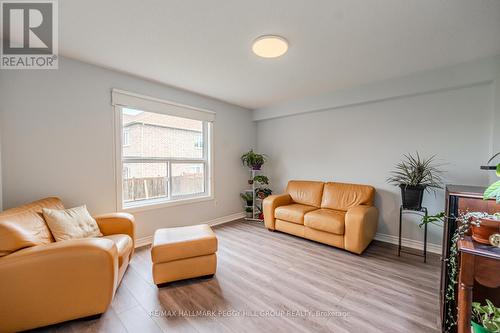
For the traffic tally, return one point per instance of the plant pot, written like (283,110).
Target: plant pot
(483,232)
(477,328)
(412,196)
(249,203)
(256,167)
(249,214)
(250,181)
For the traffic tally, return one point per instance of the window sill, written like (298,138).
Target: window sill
(159,205)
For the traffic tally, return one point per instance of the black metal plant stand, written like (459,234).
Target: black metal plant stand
(417,212)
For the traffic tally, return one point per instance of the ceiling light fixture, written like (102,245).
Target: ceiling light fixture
(270,46)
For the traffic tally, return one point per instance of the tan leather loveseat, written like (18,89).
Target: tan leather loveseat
(43,282)
(337,214)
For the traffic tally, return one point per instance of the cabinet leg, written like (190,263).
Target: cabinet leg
(400,222)
(464,311)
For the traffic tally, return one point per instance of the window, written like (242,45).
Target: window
(198,143)
(126,137)
(163,157)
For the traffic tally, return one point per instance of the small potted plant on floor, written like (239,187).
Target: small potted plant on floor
(413,176)
(249,212)
(247,197)
(253,160)
(485,318)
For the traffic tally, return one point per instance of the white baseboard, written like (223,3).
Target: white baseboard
(226,219)
(406,242)
(143,241)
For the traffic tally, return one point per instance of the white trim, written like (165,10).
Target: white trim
(410,243)
(406,242)
(144,206)
(117,118)
(148,103)
(143,241)
(463,75)
(225,219)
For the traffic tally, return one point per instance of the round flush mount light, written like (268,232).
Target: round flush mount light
(270,46)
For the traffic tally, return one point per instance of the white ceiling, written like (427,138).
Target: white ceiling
(205,46)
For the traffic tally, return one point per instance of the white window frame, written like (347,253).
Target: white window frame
(147,204)
(126,137)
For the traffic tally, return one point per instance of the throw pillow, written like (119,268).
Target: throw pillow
(72,223)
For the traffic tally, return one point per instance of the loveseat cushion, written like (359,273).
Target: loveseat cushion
(329,220)
(24,226)
(124,245)
(305,192)
(293,213)
(341,196)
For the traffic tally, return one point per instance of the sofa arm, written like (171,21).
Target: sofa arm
(47,284)
(360,227)
(270,204)
(117,223)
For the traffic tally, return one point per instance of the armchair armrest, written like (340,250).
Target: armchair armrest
(60,281)
(270,204)
(117,223)
(360,227)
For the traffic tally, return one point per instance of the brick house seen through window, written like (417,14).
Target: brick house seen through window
(164,157)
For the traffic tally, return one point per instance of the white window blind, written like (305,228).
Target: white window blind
(141,102)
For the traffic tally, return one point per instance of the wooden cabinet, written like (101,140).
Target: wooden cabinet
(478,263)
(461,198)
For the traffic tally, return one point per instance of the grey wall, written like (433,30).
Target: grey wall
(361,143)
(56,130)
(57,139)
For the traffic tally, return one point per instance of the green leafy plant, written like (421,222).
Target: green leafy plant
(487,315)
(249,212)
(464,221)
(253,160)
(261,179)
(247,197)
(493,191)
(415,171)
(437,219)
(263,192)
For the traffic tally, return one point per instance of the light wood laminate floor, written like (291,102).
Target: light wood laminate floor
(268,281)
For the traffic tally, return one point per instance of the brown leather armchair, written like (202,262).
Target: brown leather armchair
(44,282)
(337,214)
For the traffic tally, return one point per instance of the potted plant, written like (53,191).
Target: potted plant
(247,197)
(413,176)
(493,191)
(261,179)
(485,318)
(483,225)
(249,212)
(263,192)
(253,160)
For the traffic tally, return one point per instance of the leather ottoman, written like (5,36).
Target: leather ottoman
(183,253)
